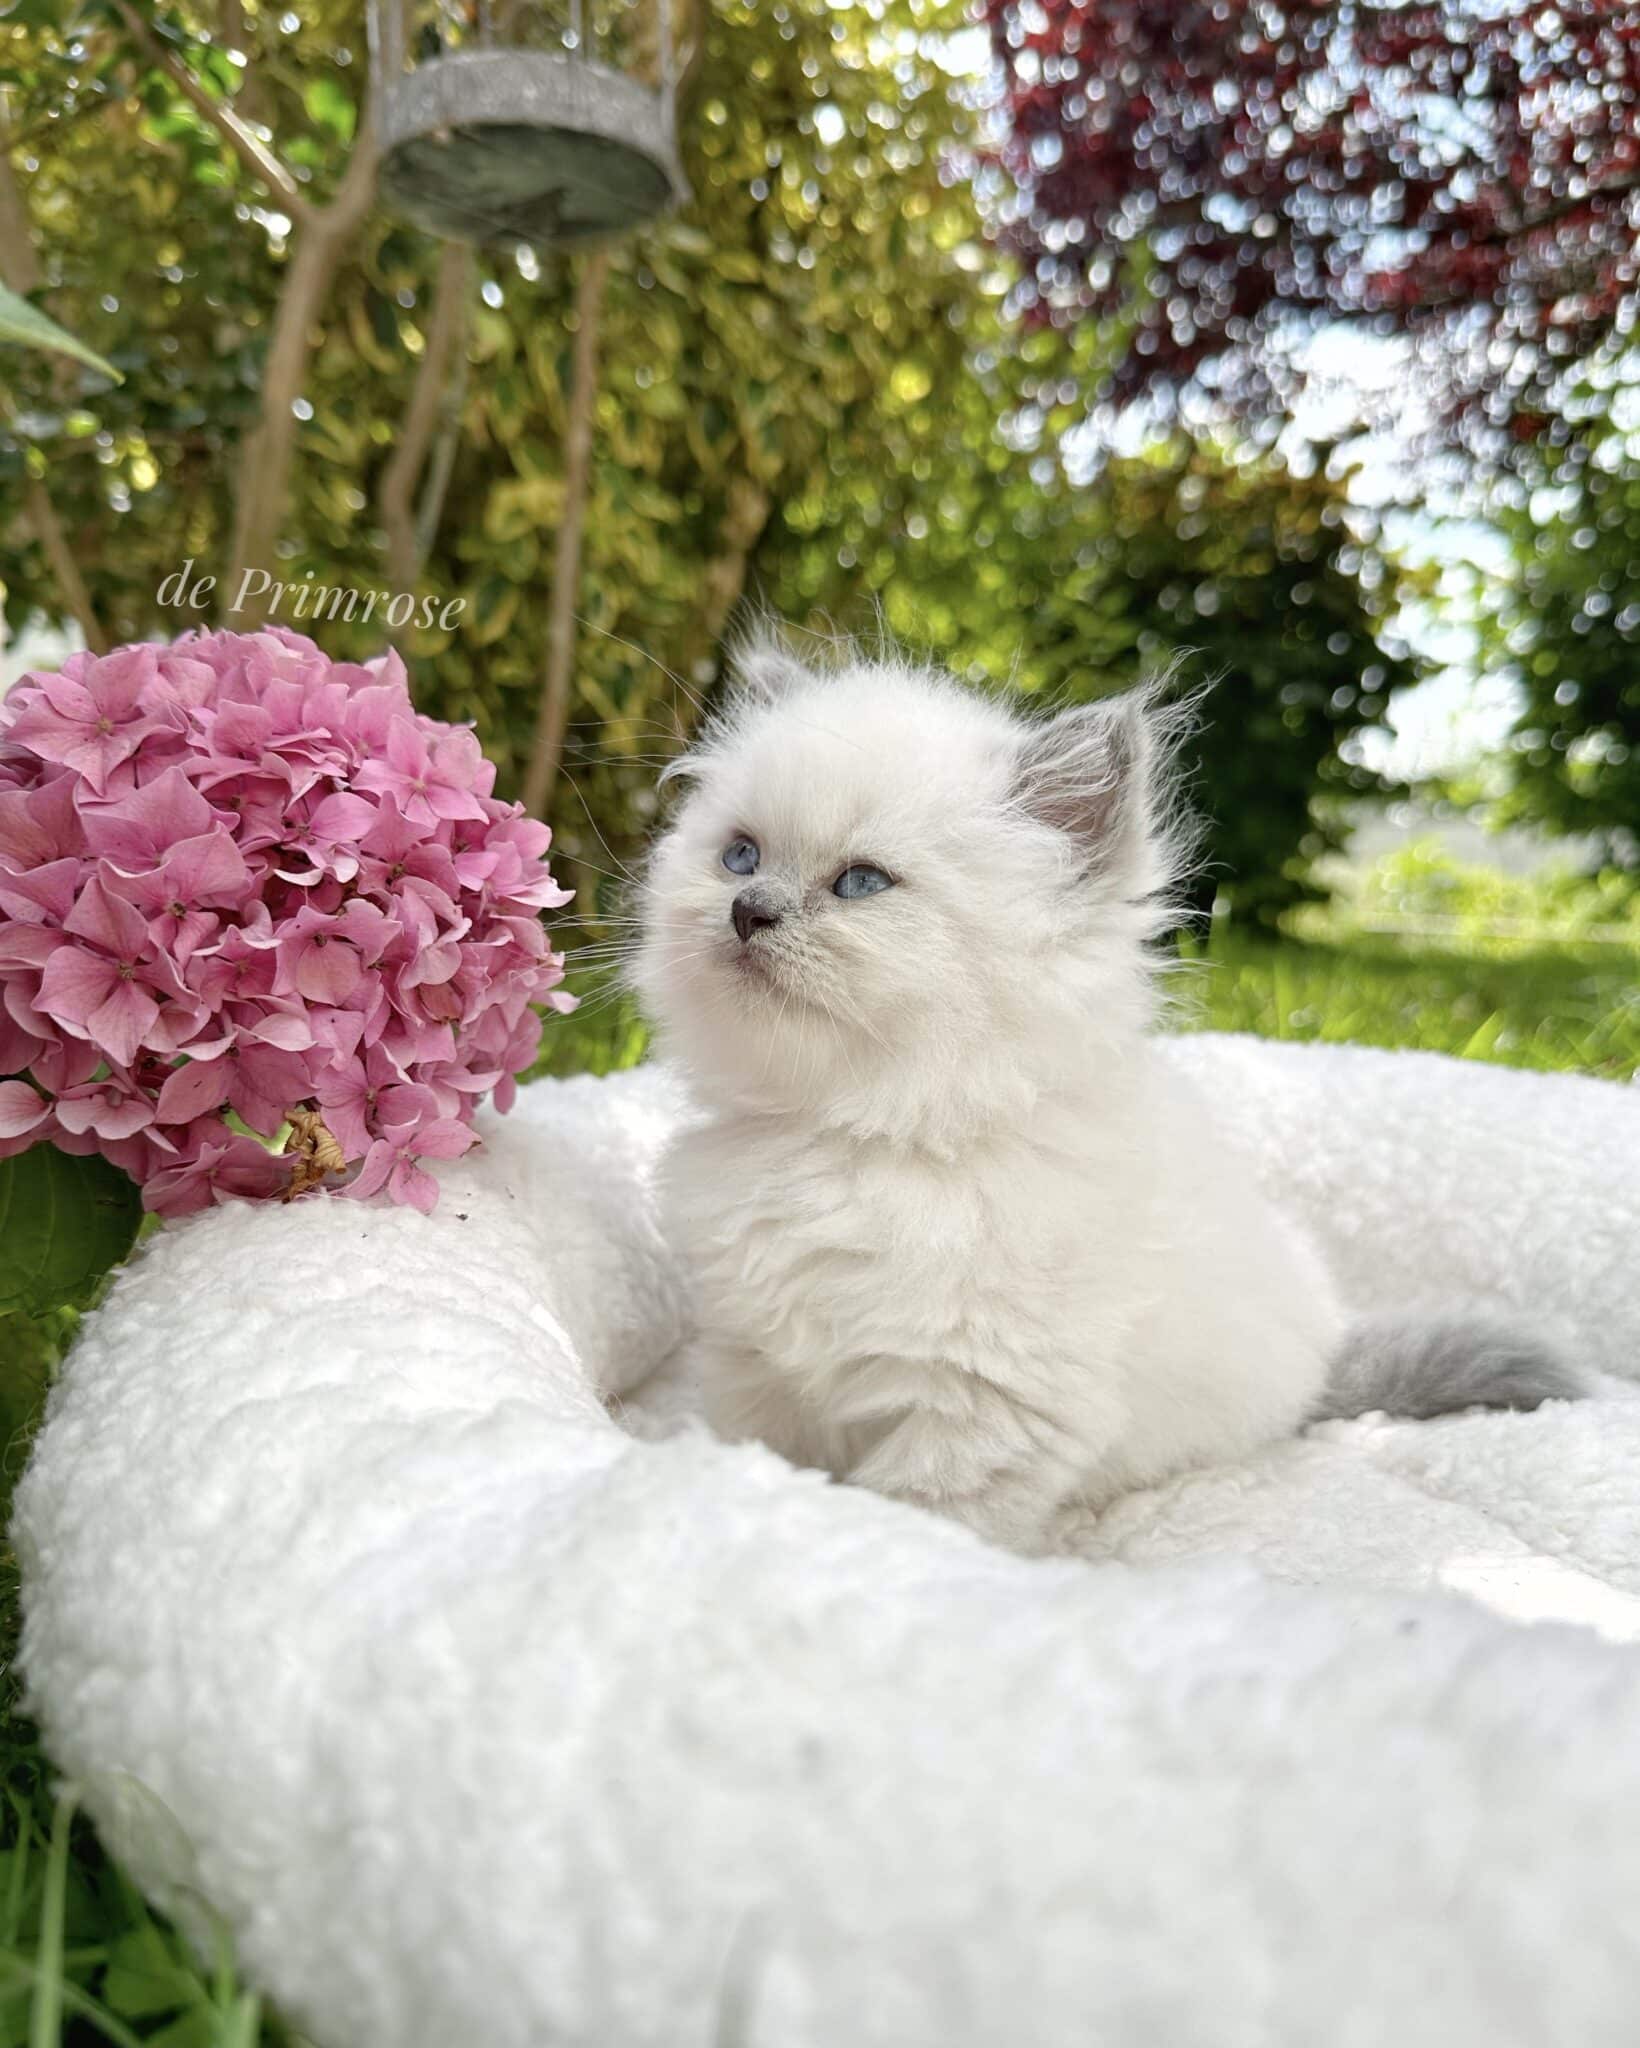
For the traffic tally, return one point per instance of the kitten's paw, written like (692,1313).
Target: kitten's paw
(967,1474)
(1013,1524)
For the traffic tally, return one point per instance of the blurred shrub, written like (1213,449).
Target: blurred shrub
(1566,623)
(1422,884)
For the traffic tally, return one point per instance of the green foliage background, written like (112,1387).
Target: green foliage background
(1566,621)
(812,398)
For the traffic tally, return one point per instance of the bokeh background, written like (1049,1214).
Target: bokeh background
(1292,337)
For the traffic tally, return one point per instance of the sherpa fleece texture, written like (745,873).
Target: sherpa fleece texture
(484,1721)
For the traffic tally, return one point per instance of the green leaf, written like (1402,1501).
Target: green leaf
(27,325)
(146,1976)
(189,2030)
(493,608)
(522,505)
(328,104)
(740,266)
(63,1223)
(1480,1043)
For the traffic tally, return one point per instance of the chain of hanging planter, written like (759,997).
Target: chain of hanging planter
(521,122)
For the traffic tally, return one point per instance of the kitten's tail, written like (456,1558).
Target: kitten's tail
(1424,1365)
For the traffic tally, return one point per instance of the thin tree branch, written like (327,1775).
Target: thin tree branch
(745,517)
(263,480)
(48,531)
(688,35)
(395,498)
(257,159)
(19,259)
(235,36)
(552,714)
(1562,209)
(20,270)
(437,483)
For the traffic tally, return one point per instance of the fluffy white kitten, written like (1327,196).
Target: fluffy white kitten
(957,1233)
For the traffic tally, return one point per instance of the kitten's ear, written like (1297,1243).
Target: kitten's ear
(1097,773)
(763,668)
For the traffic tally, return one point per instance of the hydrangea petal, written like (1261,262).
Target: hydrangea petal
(193,1089)
(21,1109)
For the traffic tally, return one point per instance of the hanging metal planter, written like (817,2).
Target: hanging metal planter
(525,122)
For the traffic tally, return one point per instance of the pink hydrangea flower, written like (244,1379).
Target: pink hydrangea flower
(240,882)
(393,1161)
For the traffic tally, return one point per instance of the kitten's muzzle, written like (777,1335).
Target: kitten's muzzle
(754,910)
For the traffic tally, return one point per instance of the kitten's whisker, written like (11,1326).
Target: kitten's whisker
(626,872)
(643,654)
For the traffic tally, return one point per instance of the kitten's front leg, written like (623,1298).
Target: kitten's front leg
(991,1465)
(746,1399)
(966,1450)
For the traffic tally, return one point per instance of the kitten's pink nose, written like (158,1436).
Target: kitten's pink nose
(752,912)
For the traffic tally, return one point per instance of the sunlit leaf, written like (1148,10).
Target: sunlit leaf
(328,102)
(27,326)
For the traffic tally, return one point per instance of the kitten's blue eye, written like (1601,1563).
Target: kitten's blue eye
(741,856)
(861,881)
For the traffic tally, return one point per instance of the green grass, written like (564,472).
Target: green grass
(1570,1008)
(82,1960)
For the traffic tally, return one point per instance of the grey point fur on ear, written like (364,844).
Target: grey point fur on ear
(761,669)
(761,665)
(1101,774)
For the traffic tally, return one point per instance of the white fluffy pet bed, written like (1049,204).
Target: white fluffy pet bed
(482,1719)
